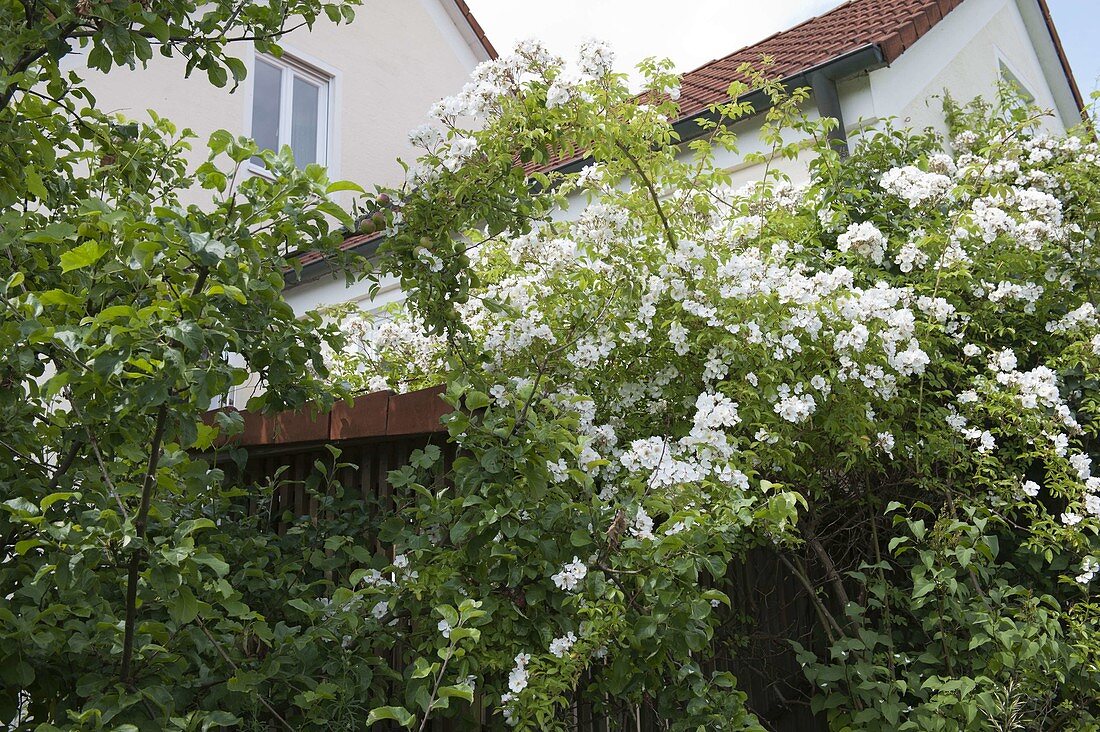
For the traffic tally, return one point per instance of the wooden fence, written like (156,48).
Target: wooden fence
(380,431)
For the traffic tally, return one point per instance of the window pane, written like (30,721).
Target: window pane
(303,129)
(267,86)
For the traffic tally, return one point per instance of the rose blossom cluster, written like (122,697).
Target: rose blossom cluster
(693,366)
(914,185)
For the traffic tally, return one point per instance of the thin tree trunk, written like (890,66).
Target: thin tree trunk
(139,553)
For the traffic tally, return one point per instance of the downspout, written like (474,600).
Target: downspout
(828,105)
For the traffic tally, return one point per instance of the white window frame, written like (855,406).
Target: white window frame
(293,66)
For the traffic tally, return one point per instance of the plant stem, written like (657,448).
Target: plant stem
(652,193)
(830,567)
(225,656)
(827,620)
(65,464)
(435,688)
(135,560)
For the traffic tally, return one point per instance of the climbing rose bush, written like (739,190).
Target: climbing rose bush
(883,379)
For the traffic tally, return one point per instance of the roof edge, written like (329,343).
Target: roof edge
(321,266)
(1059,49)
(865,58)
(479,33)
(754,44)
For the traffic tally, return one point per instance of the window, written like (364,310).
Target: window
(290,107)
(1013,80)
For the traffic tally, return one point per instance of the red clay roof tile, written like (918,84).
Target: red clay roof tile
(351,242)
(893,25)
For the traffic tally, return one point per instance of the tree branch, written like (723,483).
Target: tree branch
(99,456)
(830,567)
(225,656)
(827,620)
(29,57)
(66,463)
(652,193)
(135,559)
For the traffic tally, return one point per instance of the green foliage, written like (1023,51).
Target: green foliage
(883,382)
(630,423)
(957,634)
(123,313)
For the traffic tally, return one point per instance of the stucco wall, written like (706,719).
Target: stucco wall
(388,67)
(963,55)
(330,288)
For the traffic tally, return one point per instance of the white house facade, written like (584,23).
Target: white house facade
(866,61)
(341,95)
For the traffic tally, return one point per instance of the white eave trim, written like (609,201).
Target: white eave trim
(1050,62)
(456,29)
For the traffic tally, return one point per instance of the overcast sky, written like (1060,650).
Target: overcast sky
(692,32)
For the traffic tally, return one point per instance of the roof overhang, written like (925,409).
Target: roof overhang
(861,60)
(471,30)
(1053,60)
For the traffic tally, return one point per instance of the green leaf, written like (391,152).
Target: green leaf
(337,212)
(58,297)
(922,588)
(237,68)
(396,714)
(115,311)
(220,719)
(51,233)
(184,607)
(22,547)
(449,614)
(20,505)
(219,140)
(646,627)
(82,256)
(580,537)
(458,691)
(236,609)
(188,527)
(219,566)
(209,250)
(422,669)
(230,291)
(476,400)
(54,498)
(344,185)
(458,634)
(34,183)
